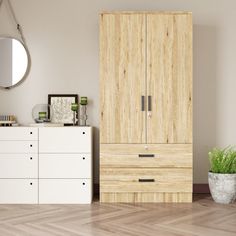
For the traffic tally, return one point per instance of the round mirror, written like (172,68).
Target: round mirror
(14,62)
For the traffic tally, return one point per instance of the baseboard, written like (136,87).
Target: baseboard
(197,188)
(201,188)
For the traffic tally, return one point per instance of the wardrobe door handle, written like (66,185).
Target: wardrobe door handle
(149,103)
(146,155)
(146,180)
(142,103)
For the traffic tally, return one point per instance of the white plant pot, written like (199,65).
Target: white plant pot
(222,187)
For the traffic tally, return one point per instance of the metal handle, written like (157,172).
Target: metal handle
(142,103)
(146,180)
(149,103)
(146,155)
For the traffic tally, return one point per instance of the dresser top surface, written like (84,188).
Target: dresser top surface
(62,127)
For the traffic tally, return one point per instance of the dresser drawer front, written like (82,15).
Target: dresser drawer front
(18,166)
(146,179)
(65,166)
(18,191)
(150,155)
(18,147)
(65,191)
(18,133)
(65,140)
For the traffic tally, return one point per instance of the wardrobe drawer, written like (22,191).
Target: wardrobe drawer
(65,191)
(18,133)
(17,191)
(18,146)
(150,155)
(18,166)
(146,179)
(65,166)
(65,140)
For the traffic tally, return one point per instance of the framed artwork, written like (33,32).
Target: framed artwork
(61,108)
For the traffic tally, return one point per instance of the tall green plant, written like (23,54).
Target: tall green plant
(223,160)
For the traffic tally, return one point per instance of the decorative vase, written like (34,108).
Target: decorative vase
(83,111)
(74,108)
(222,187)
(42,113)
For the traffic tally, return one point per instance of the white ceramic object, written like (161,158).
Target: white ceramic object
(222,187)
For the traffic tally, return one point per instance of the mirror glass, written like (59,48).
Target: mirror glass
(14,61)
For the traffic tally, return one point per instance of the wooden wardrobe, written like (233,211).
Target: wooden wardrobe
(146,107)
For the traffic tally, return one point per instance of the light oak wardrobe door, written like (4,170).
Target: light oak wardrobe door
(169,78)
(122,78)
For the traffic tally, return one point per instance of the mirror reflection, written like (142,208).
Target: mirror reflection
(13,62)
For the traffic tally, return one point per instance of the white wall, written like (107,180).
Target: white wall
(5,62)
(62,36)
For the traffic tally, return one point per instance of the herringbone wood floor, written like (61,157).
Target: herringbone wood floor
(202,217)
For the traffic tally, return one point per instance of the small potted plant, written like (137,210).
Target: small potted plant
(222,174)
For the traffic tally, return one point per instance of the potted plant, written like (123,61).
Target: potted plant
(222,174)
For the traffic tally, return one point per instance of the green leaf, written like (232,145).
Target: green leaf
(223,160)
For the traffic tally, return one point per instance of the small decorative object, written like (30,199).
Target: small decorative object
(7,120)
(222,175)
(61,108)
(41,113)
(83,101)
(83,111)
(74,108)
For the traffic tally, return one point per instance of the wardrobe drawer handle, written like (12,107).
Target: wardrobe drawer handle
(142,103)
(149,103)
(146,155)
(146,180)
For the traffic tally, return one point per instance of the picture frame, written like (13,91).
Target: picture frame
(60,107)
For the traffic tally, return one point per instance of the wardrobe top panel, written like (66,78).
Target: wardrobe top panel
(147,12)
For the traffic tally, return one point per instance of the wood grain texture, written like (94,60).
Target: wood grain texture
(147,54)
(202,217)
(127,180)
(145,148)
(169,78)
(127,155)
(148,12)
(122,78)
(143,197)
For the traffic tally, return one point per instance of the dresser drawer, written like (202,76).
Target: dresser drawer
(65,166)
(65,191)
(18,146)
(18,133)
(150,155)
(18,166)
(65,140)
(146,179)
(17,191)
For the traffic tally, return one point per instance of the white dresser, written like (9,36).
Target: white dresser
(46,165)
